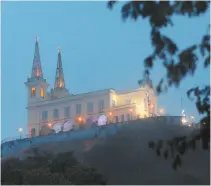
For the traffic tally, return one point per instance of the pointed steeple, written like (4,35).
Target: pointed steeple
(59,79)
(36,67)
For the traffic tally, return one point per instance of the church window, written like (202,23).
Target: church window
(38,73)
(78,109)
(89,107)
(45,115)
(116,119)
(42,92)
(33,92)
(122,118)
(128,117)
(55,113)
(60,84)
(101,105)
(67,112)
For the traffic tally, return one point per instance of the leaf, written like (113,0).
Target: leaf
(201,7)
(149,61)
(207,62)
(111,4)
(126,10)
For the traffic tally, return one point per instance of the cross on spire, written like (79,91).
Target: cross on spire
(59,79)
(36,67)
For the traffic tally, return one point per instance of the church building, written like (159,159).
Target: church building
(61,110)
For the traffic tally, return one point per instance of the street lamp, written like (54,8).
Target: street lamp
(192,118)
(161,111)
(20,130)
(80,119)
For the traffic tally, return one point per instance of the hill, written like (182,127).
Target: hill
(121,153)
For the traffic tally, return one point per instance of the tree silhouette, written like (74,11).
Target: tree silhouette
(42,168)
(178,63)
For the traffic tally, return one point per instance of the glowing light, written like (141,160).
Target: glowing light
(20,130)
(38,73)
(60,84)
(183,112)
(79,119)
(33,91)
(161,111)
(151,105)
(49,124)
(110,113)
(131,110)
(184,121)
(192,117)
(42,92)
(189,125)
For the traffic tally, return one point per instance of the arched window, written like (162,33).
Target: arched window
(33,91)
(42,93)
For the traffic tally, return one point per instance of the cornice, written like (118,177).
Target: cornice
(77,97)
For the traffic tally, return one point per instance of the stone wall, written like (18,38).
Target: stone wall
(9,148)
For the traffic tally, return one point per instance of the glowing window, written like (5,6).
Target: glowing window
(38,73)
(33,92)
(60,84)
(42,92)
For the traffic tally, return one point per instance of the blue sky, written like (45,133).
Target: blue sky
(99,51)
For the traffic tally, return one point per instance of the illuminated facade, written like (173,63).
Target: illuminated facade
(59,109)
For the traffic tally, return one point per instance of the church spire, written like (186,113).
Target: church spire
(36,67)
(59,79)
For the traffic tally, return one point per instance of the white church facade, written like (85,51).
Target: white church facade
(59,109)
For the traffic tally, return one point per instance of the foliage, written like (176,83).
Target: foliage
(41,168)
(178,63)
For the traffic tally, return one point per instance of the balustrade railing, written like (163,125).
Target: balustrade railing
(14,138)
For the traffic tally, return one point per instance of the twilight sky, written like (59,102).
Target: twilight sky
(98,49)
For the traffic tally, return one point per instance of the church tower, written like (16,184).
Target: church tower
(36,84)
(59,83)
(59,78)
